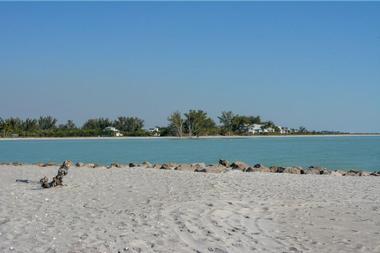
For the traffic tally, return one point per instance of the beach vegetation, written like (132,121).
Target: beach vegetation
(192,123)
(131,125)
(47,122)
(198,123)
(225,120)
(68,125)
(176,123)
(97,124)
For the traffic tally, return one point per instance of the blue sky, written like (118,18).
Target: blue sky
(310,64)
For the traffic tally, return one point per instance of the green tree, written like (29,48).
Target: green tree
(97,124)
(302,129)
(198,123)
(69,125)
(30,125)
(226,119)
(47,123)
(129,124)
(3,127)
(167,131)
(14,124)
(176,122)
(10,125)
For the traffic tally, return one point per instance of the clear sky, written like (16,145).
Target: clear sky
(310,64)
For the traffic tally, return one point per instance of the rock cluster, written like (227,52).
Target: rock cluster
(114,165)
(12,163)
(238,165)
(221,167)
(224,163)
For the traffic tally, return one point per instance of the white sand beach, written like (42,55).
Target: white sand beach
(148,210)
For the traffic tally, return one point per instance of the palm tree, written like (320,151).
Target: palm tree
(226,119)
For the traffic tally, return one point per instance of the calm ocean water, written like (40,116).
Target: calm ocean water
(343,152)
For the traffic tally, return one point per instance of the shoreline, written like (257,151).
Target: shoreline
(222,167)
(187,138)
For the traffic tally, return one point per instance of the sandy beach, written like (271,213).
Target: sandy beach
(148,210)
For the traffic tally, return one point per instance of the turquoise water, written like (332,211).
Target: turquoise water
(343,152)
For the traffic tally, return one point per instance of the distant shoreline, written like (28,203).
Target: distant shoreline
(185,137)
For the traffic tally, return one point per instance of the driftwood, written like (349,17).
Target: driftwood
(26,181)
(58,179)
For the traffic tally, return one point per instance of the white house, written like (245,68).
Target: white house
(114,131)
(258,129)
(269,130)
(283,130)
(255,129)
(154,131)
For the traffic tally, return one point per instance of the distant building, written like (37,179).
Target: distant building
(260,129)
(112,131)
(154,131)
(254,129)
(283,130)
(269,130)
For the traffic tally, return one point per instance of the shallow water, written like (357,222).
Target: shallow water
(341,152)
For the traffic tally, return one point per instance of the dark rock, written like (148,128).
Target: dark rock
(225,163)
(166,166)
(200,170)
(249,169)
(79,164)
(353,173)
(258,165)
(156,166)
(116,165)
(325,172)
(198,165)
(257,169)
(337,173)
(317,171)
(239,165)
(132,165)
(276,169)
(365,174)
(294,170)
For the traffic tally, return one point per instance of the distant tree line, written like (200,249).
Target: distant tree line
(47,126)
(188,124)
